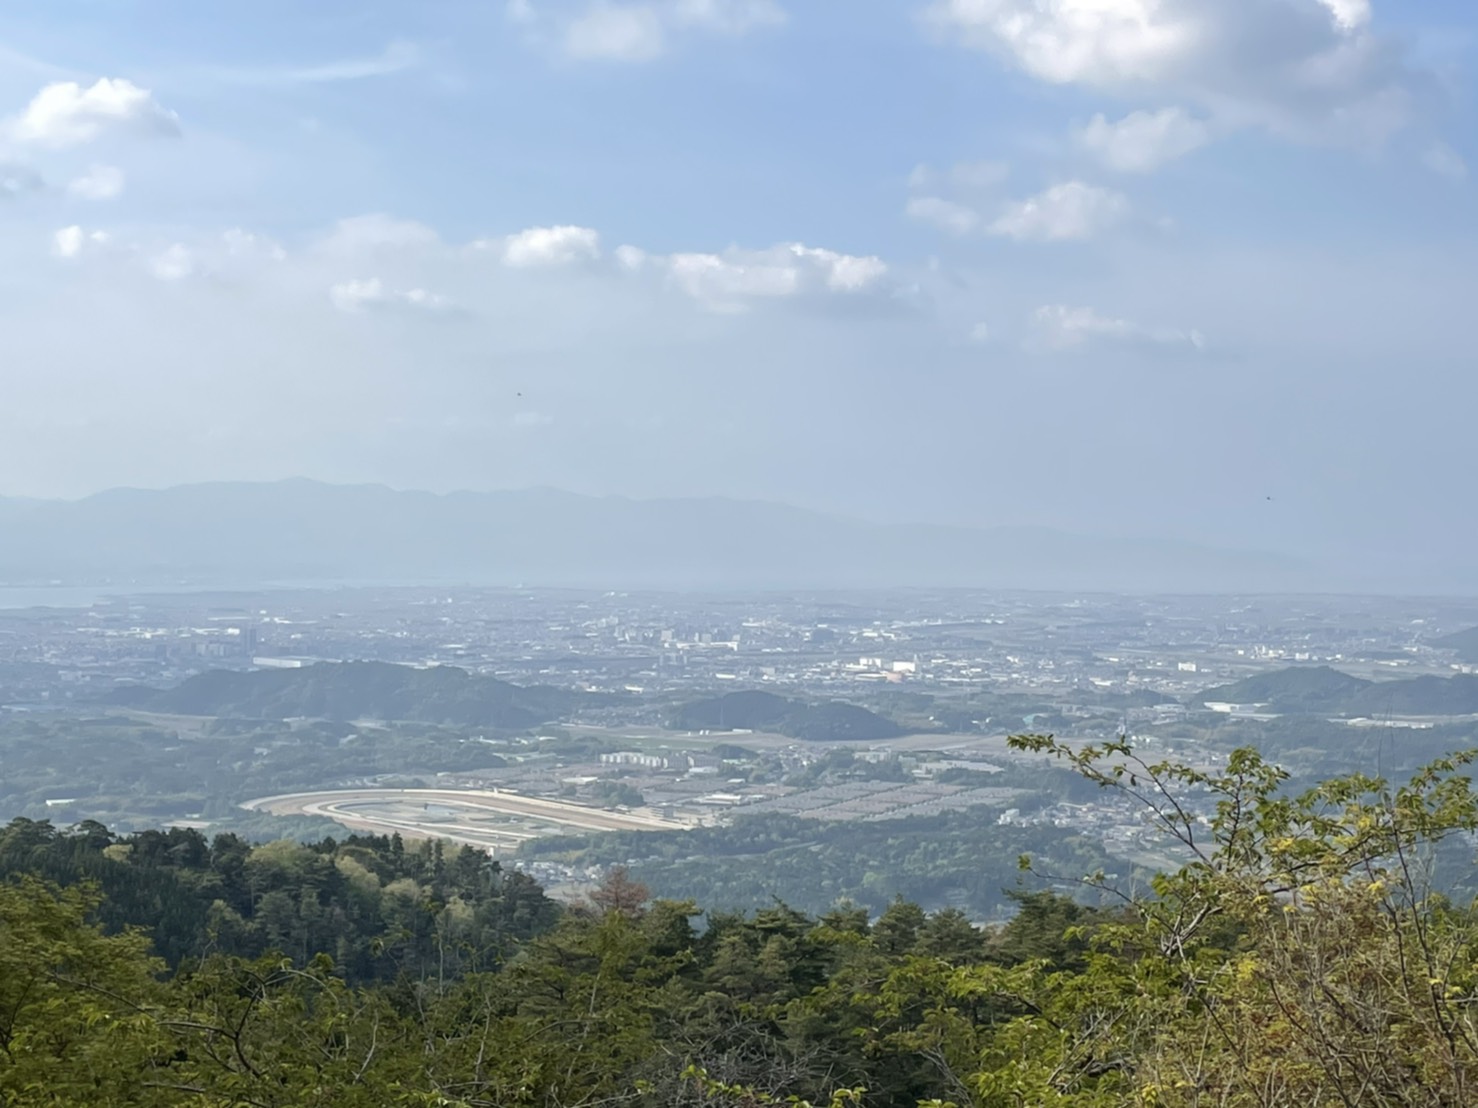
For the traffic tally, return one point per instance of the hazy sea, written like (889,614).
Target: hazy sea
(85,596)
(55,596)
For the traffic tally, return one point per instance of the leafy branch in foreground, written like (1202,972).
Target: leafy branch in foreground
(717,1094)
(1300,955)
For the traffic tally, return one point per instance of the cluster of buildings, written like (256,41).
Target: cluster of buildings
(840,645)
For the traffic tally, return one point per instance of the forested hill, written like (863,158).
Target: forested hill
(1420,696)
(1464,642)
(1326,691)
(379,907)
(828,721)
(363,690)
(1298,689)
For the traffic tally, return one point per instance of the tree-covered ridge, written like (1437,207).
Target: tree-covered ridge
(1298,957)
(380,907)
(1297,688)
(754,710)
(1464,642)
(965,860)
(363,690)
(1420,696)
(1322,689)
(625,1001)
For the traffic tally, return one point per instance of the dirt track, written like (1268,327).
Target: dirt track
(346,806)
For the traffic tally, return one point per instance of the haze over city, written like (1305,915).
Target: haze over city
(1183,270)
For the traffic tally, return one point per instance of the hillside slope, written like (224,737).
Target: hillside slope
(831,721)
(362,690)
(1464,642)
(1298,689)
(1326,691)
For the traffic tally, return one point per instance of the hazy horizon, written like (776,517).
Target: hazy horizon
(1192,270)
(1336,572)
(861,515)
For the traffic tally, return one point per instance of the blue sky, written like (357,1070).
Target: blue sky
(1130,266)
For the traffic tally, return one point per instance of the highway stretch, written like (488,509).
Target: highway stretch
(474,816)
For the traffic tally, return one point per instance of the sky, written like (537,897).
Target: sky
(1199,269)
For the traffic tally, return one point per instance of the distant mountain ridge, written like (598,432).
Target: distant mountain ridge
(363,690)
(1324,690)
(306,532)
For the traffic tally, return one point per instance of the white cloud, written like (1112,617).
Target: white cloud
(728,281)
(175,263)
(1073,210)
(624,33)
(65,114)
(1063,41)
(844,272)
(723,282)
(1059,327)
(411,259)
(1444,161)
(69,242)
(360,295)
(1142,141)
(100,182)
(551,246)
(1349,15)
(532,419)
(233,257)
(980,333)
(947,215)
(1062,327)
(353,296)
(427,301)
(631,258)
(1309,69)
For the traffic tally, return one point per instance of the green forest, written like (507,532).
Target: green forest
(1301,956)
(964,860)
